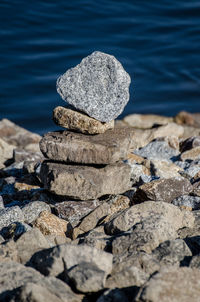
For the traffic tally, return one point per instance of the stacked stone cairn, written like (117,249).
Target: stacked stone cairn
(86,161)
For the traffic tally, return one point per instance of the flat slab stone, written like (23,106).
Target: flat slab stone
(105,148)
(85,182)
(74,120)
(98,86)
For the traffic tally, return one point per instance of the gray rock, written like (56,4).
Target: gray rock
(14,275)
(33,209)
(145,236)
(74,211)
(10,215)
(6,151)
(187,201)
(35,293)
(54,261)
(195,262)
(158,150)
(125,220)
(172,252)
(15,230)
(163,189)
(1,203)
(105,148)
(85,182)
(87,277)
(129,276)
(99,86)
(30,243)
(172,284)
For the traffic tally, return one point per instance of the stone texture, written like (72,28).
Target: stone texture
(189,131)
(87,277)
(189,119)
(15,230)
(6,151)
(85,182)
(74,211)
(17,136)
(97,239)
(158,150)
(172,284)
(10,215)
(105,148)
(189,143)
(102,212)
(163,189)
(15,275)
(141,138)
(32,210)
(77,121)
(129,276)
(49,224)
(145,121)
(191,154)
(146,235)
(126,219)
(187,202)
(61,257)
(99,86)
(165,169)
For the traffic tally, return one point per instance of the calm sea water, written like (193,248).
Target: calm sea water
(158,43)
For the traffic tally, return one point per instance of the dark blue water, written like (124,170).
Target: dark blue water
(158,43)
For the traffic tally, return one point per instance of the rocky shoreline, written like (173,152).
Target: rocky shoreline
(141,244)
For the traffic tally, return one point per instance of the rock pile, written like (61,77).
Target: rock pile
(85,161)
(138,246)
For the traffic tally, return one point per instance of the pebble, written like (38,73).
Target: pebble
(77,121)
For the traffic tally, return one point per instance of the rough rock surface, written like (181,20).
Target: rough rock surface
(49,224)
(14,275)
(54,261)
(74,120)
(85,182)
(172,284)
(145,121)
(126,219)
(99,86)
(163,189)
(105,148)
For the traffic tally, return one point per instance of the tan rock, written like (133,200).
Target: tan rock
(74,120)
(191,154)
(49,224)
(101,213)
(145,121)
(20,186)
(172,284)
(17,136)
(189,119)
(141,138)
(6,151)
(190,131)
(164,169)
(137,213)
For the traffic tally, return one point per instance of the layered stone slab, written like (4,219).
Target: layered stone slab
(98,86)
(77,121)
(105,148)
(85,182)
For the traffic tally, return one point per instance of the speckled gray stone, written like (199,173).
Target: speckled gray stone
(192,202)
(99,86)
(10,215)
(33,209)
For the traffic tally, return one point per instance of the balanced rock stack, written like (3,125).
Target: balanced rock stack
(86,160)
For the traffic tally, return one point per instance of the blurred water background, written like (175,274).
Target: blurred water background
(158,43)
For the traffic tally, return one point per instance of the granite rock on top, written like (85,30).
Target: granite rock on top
(98,86)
